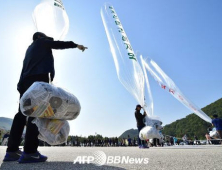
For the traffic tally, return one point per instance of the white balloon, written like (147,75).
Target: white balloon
(128,69)
(148,98)
(51,18)
(167,84)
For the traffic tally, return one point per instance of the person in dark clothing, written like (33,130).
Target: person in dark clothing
(171,141)
(217,123)
(5,139)
(37,66)
(134,141)
(129,141)
(140,124)
(6,135)
(197,142)
(156,142)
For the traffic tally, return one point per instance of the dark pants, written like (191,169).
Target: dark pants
(139,140)
(220,135)
(19,122)
(156,142)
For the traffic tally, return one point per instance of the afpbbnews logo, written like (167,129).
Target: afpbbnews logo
(99,158)
(126,160)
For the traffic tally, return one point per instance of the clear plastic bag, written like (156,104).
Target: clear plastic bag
(52,131)
(152,121)
(149,132)
(214,134)
(47,101)
(152,129)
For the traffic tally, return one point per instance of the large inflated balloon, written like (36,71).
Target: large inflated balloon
(167,84)
(148,98)
(51,18)
(128,69)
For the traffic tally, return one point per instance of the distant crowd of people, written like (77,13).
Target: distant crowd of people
(122,142)
(98,140)
(106,142)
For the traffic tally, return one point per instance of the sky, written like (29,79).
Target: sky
(183,37)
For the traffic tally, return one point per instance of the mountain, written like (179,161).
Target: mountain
(132,132)
(190,125)
(5,123)
(193,125)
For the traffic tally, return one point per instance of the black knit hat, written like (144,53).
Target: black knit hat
(138,106)
(37,34)
(215,116)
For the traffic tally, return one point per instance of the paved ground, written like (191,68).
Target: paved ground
(166,158)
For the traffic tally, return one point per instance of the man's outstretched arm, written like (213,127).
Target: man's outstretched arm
(60,45)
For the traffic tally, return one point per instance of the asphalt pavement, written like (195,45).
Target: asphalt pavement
(161,158)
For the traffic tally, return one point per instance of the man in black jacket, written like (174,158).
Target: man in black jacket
(140,124)
(37,66)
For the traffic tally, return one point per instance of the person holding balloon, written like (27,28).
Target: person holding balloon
(217,123)
(140,124)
